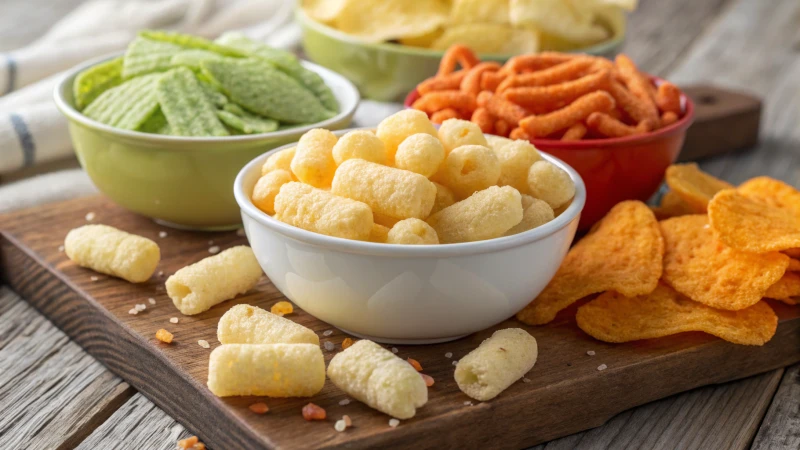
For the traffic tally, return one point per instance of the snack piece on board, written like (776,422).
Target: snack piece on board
(113,252)
(671,205)
(694,186)
(623,253)
(706,270)
(753,225)
(612,317)
(787,289)
(496,364)
(373,375)
(212,280)
(246,324)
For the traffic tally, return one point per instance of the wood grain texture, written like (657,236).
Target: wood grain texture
(780,428)
(52,393)
(95,314)
(137,424)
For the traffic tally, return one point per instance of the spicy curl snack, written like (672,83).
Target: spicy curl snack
(549,95)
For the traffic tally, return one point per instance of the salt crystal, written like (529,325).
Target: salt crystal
(161,273)
(213,249)
(344,402)
(602,367)
(140,306)
(93,278)
(526,380)
(151,300)
(203,343)
(90,216)
(328,345)
(467,403)
(394,350)
(455,363)
(162,234)
(590,353)
(327,333)
(394,423)
(173,320)
(448,355)
(133,311)
(340,426)
(60,248)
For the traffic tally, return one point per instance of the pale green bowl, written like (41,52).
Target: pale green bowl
(179,181)
(388,72)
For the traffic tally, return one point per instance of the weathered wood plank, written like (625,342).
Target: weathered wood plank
(137,424)
(52,393)
(781,426)
(721,416)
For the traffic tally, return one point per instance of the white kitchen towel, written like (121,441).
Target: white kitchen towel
(31,128)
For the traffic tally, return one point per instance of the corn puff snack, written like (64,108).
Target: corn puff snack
(113,252)
(487,214)
(245,324)
(313,159)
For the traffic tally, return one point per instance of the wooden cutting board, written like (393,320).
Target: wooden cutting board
(566,393)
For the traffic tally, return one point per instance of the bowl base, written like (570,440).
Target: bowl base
(178,226)
(400,341)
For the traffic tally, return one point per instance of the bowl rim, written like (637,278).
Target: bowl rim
(617,37)
(605,144)
(66,81)
(572,213)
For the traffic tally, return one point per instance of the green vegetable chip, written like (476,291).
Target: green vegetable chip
(192,58)
(235,117)
(147,56)
(186,106)
(189,41)
(128,105)
(92,82)
(156,124)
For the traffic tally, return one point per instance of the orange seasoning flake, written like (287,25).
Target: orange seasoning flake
(191,443)
(164,336)
(259,408)
(282,308)
(427,379)
(347,342)
(313,412)
(415,364)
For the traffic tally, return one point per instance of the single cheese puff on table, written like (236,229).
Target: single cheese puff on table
(373,375)
(246,324)
(210,281)
(113,252)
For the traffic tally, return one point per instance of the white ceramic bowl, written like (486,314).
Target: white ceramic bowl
(406,294)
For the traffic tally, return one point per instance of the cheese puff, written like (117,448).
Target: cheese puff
(393,192)
(447,82)
(246,324)
(484,120)
(455,133)
(384,220)
(431,102)
(444,198)
(268,187)
(280,160)
(360,144)
(546,124)
(412,232)
(575,132)
(113,252)
(516,158)
(322,212)
(396,128)
(535,214)
(420,153)
(468,169)
(668,98)
(472,82)
(313,162)
(486,214)
(379,234)
(447,113)
(550,183)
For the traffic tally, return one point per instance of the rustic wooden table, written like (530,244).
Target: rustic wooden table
(53,395)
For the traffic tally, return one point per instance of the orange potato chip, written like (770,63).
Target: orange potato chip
(773,192)
(707,271)
(613,317)
(794,265)
(693,185)
(786,288)
(672,205)
(793,252)
(622,253)
(752,225)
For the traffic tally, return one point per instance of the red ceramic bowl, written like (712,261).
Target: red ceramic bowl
(617,169)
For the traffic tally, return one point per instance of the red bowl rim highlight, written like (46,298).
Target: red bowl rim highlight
(595,144)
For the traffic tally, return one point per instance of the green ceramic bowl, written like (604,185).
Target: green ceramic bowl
(179,181)
(387,72)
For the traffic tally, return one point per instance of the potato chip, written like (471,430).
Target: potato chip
(95,80)
(259,87)
(562,18)
(793,252)
(671,205)
(239,119)
(146,55)
(774,192)
(753,225)
(185,105)
(707,271)
(623,253)
(613,317)
(385,20)
(489,38)
(694,186)
(324,10)
(479,11)
(424,40)
(786,288)
(794,265)
(128,105)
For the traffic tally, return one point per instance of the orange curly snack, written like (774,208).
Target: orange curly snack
(555,96)
(773,192)
(519,133)
(442,82)
(547,124)
(438,100)
(472,82)
(671,205)
(786,288)
(457,54)
(753,225)
(623,254)
(447,113)
(707,271)
(414,363)
(631,104)
(668,98)
(794,265)
(575,132)
(694,186)
(612,317)
(502,108)
(490,80)
(484,120)
(501,128)
(638,84)
(668,118)
(553,75)
(536,61)
(611,127)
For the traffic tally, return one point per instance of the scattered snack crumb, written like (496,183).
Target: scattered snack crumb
(394,423)
(164,336)
(151,300)
(162,234)
(282,308)
(347,420)
(340,426)
(347,342)
(240,232)
(140,306)
(602,367)
(394,350)
(448,355)
(60,248)
(590,353)
(259,408)
(428,379)
(468,403)
(203,343)
(173,320)
(90,216)
(455,362)
(191,443)
(526,380)
(211,242)
(328,345)
(94,278)
(414,363)
(160,273)
(327,332)
(344,402)
(133,311)
(214,249)
(313,412)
